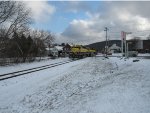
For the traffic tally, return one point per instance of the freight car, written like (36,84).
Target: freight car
(79,51)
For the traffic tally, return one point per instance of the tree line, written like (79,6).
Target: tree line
(17,40)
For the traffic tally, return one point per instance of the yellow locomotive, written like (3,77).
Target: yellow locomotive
(79,51)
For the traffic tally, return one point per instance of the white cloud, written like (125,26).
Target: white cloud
(76,6)
(86,31)
(41,10)
(118,16)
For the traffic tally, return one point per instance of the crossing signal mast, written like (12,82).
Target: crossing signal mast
(124,44)
(106,45)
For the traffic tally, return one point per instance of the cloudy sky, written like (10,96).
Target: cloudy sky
(84,22)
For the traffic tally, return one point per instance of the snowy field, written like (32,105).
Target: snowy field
(90,85)
(22,66)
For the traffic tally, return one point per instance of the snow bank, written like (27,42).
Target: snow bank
(91,85)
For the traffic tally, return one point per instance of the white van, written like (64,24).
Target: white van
(132,53)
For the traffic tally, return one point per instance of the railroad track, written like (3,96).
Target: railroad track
(31,70)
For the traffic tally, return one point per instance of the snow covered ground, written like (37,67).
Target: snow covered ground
(90,85)
(22,66)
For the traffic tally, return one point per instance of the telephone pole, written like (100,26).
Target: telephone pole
(122,42)
(106,46)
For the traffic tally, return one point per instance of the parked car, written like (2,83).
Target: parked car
(132,53)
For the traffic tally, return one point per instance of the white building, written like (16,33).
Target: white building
(55,51)
(114,48)
(59,48)
(52,52)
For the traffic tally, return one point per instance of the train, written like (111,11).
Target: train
(79,51)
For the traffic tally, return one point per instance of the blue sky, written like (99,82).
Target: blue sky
(65,14)
(84,22)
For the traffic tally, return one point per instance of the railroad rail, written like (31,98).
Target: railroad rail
(31,70)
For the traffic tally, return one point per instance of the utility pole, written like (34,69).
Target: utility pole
(106,46)
(127,50)
(122,42)
(125,43)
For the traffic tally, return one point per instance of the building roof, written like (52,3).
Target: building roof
(47,49)
(114,46)
(59,48)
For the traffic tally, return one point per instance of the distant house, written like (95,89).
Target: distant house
(60,50)
(52,52)
(114,48)
(142,46)
(66,49)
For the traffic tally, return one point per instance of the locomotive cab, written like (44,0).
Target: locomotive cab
(79,51)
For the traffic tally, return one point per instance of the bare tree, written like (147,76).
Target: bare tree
(20,20)
(7,9)
(49,39)
(14,18)
(46,36)
(42,39)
